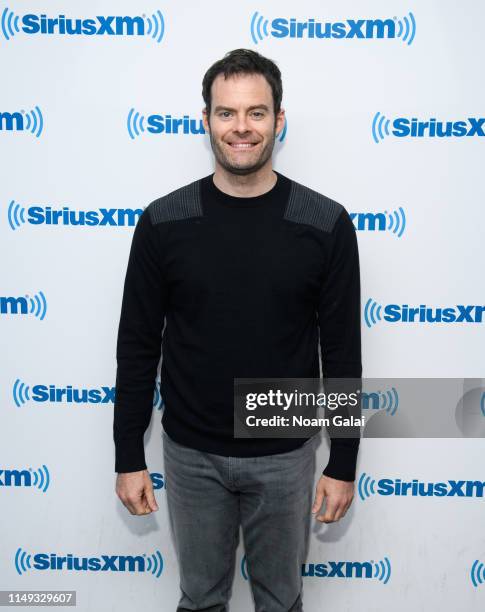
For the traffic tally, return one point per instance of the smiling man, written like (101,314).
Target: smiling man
(249,270)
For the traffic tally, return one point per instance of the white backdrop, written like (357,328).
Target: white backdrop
(61,288)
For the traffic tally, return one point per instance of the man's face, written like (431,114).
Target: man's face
(242,126)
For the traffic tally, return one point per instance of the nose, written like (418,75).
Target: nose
(241,125)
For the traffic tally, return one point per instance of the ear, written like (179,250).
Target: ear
(280,121)
(205,120)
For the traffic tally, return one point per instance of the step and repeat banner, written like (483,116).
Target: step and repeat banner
(100,113)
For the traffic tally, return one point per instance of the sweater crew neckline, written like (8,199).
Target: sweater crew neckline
(244,202)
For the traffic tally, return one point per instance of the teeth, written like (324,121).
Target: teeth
(242,146)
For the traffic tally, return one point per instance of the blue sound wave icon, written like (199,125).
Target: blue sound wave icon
(406,28)
(382,570)
(366,486)
(21,393)
(135,123)
(397,221)
(41,478)
(15,215)
(259,27)
(244,568)
(157,397)
(477,573)
(282,134)
(22,561)
(38,305)
(380,127)
(372,312)
(155,564)
(482,404)
(156,26)
(34,121)
(9,23)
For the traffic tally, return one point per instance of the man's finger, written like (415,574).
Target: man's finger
(129,506)
(150,499)
(137,505)
(341,511)
(330,511)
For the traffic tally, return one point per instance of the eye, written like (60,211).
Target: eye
(258,114)
(225,114)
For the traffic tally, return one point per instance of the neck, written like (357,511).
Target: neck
(246,185)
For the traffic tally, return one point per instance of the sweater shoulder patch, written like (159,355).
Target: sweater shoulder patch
(183,203)
(311,208)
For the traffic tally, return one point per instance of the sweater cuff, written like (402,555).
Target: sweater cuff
(130,455)
(343,459)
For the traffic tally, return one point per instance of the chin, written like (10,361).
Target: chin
(248,168)
(242,170)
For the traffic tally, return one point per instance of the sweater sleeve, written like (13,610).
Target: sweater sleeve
(340,332)
(138,346)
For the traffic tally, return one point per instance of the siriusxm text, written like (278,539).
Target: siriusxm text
(414,128)
(46,215)
(338,569)
(416,488)
(107,25)
(102,563)
(69,394)
(460,313)
(166,124)
(350,28)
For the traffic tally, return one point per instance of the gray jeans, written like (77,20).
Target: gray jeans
(210,496)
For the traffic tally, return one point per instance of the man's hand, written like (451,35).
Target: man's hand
(135,489)
(338,495)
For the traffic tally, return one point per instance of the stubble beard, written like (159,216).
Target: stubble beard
(242,170)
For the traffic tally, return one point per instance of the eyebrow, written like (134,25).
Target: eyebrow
(228,108)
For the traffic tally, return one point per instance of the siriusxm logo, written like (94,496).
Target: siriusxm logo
(52,394)
(394,221)
(22,121)
(100,25)
(403,127)
(39,478)
(152,564)
(387,401)
(161,124)
(403,313)
(137,124)
(368,486)
(378,570)
(22,393)
(282,27)
(46,215)
(37,305)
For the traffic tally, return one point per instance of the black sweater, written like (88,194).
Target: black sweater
(246,286)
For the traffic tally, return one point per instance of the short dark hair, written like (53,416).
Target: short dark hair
(244,61)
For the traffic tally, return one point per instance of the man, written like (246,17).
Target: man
(247,267)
